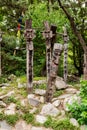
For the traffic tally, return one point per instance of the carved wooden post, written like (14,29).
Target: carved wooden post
(65,37)
(47,34)
(29,35)
(53,73)
(0,52)
(85,66)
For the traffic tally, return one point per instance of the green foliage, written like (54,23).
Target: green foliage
(83,89)
(41,86)
(10,100)
(58,93)
(2,116)
(60,125)
(79,110)
(28,117)
(12,119)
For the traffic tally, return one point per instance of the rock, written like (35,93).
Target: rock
(10,110)
(39,82)
(36,128)
(11,77)
(74,122)
(41,119)
(7,95)
(83,127)
(40,92)
(2,104)
(70,101)
(56,103)
(62,115)
(71,90)
(64,96)
(49,109)
(33,110)
(34,102)
(23,102)
(40,128)
(5,126)
(20,85)
(22,125)
(42,99)
(4,85)
(30,96)
(60,84)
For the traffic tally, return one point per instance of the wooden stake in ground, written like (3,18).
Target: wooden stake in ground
(0,53)
(29,35)
(47,34)
(65,37)
(57,50)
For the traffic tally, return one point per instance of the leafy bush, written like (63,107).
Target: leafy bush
(60,125)
(79,111)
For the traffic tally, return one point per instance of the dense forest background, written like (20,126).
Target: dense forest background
(13,45)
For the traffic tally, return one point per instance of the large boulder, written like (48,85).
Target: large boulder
(60,84)
(49,109)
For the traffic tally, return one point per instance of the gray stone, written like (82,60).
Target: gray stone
(22,125)
(74,122)
(41,119)
(33,110)
(34,102)
(2,104)
(83,127)
(30,96)
(49,109)
(56,103)
(60,84)
(5,126)
(4,85)
(11,77)
(70,101)
(39,82)
(24,102)
(7,95)
(20,85)
(71,90)
(42,99)
(64,96)
(10,110)
(40,92)
(36,128)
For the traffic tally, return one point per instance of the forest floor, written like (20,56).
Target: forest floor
(22,111)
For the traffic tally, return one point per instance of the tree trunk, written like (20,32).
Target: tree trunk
(77,34)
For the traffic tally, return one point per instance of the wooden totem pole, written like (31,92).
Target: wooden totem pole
(57,50)
(65,37)
(29,35)
(0,53)
(47,34)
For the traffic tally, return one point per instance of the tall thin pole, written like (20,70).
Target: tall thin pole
(0,54)
(29,35)
(65,37)
(47,34)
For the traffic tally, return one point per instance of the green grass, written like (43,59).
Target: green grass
(12,119)
(63,124)
(10,99)
(58,93)
(39,78)
(28,117)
